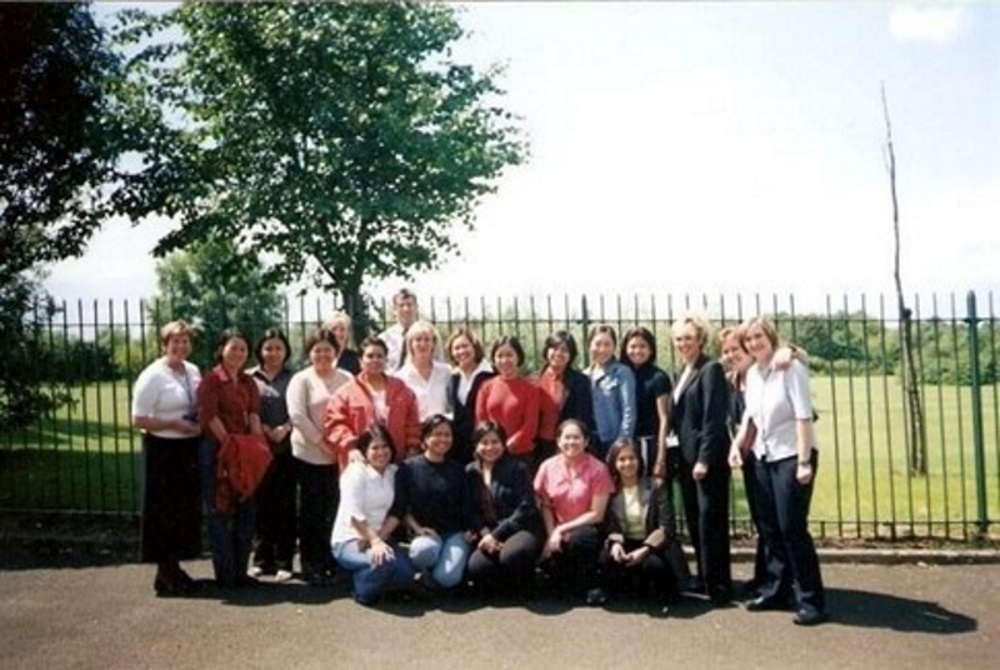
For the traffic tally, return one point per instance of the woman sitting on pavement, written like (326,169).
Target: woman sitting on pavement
(361,541)
(573,488)
(511,537)
(642,549)
(436,500)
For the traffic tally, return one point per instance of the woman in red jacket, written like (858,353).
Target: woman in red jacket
(371,396)
(228,404)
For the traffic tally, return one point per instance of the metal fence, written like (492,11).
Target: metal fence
(84,456)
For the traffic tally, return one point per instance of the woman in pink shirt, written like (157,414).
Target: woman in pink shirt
(573,489)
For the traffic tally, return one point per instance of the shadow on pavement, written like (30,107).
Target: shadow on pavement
(864,609)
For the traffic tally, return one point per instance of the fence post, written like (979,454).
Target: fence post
(977,416)
(584,327)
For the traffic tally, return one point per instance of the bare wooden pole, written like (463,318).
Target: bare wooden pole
(916,431)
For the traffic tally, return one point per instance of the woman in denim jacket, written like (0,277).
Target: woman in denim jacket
(613,387)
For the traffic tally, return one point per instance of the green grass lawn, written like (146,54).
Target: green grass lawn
(87,457)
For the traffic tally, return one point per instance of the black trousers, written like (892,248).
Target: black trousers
(750,486)
(706,507)
(575,566)
(170,528)
(318,496)
(652,577)
(788,547)
(509,570)
(276,519)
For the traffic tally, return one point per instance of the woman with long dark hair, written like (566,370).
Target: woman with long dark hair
(564,392)
(275,542)
(511,537)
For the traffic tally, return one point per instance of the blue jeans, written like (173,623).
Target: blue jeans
(232,536)
(370,580)
(445,558)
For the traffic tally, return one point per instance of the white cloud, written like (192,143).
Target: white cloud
(938,25)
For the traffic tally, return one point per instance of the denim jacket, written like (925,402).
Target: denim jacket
(614,402)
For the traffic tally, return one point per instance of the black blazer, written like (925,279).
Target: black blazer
(464,416)
(700,413)
(512,498)
(657,508)
(578,400)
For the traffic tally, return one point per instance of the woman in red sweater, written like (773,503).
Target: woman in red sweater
(511,400)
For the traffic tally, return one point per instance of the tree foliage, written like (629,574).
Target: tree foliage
(56,149)
(341,137)
(57,157)
(214,286)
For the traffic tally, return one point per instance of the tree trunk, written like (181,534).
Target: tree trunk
(916,431)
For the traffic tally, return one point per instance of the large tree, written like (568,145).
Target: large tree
(214,286)
(341,137)
(57,157)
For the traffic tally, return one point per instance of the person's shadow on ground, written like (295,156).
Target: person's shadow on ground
(865,609)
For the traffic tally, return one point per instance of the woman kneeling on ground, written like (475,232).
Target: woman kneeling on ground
(573,488)
(436,501)
(511,537)
(642,553)
(362,532)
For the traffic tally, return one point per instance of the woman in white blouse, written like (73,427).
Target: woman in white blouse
(361,541)
(308,393)
(778,405)
(426,377)
(164,406)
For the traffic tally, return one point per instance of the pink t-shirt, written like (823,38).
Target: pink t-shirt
(569,494)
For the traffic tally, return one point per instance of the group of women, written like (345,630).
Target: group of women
(433,476)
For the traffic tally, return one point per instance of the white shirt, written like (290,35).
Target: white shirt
(432,393)
(365,495)
(307,397)
(776,400)
(164,393)
(465,381)
(393,338)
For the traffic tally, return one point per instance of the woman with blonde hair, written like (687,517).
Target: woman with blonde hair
(426,377)
(339,324)
(700,410)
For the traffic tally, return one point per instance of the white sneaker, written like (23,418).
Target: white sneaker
(282,575)
(255,571)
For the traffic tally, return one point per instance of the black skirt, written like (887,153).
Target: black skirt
(171,501)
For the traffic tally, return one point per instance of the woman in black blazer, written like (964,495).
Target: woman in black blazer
(565,393)
(511,538)
(701,405)
(642,549)
(466,353)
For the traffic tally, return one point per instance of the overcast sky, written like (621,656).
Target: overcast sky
(712,148)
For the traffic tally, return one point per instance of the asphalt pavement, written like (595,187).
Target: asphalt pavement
(91,611)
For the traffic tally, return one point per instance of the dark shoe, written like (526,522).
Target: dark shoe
(720,596)
(809,617)
(762,604)
(169,588)
(596,597)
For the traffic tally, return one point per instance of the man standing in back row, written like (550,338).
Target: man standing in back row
(405,310)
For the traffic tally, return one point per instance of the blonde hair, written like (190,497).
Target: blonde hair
(419,327)
(338,317)
(699,322)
